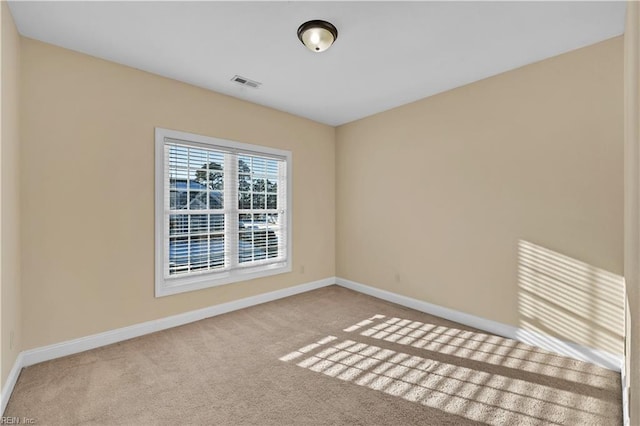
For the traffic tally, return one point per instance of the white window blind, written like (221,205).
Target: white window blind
(221,212)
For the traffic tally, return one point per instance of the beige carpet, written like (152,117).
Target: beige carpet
(331,356)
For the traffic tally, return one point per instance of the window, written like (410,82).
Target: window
(222,212)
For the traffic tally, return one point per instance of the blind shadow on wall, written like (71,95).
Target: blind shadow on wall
(569,299)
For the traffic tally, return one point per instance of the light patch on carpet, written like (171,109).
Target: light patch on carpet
(300,352)
(484,348)
(474,394)
(364,323)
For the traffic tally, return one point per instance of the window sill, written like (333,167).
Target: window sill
(167,287)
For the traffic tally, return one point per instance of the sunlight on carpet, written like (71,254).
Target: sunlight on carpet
(542,392)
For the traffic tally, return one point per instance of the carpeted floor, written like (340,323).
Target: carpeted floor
(327,357)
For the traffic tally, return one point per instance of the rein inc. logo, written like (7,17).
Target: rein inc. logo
(17,421)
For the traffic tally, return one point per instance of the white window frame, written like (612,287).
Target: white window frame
(165,285)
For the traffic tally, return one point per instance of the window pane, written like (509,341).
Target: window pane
(178,224)
(197,158)
(216,251)
(258,185)
(210,175)
(273,226)
(272,185)
(199,252)
(178,254)
(195,246)
(178,156)
(199,224)
(259,166)
(215,180)
(216,157)
(245,247)
(179,175)
(244,183)
(215,168)
(192,171)
(258,201)
(244,164)
(198,200)
(258,237)
(216,222)
(177,199)
(260,244)
(272,167)
(244,201)
(216,200)
(245,221)
(272,201)
(272,244)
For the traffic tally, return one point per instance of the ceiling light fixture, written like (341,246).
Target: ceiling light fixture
(317,35)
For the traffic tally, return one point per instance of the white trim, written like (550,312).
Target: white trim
(207,141)
(625,395)
(57,350)
(7,389)
(159,212)
(70,347)
(573,350)
(198,282)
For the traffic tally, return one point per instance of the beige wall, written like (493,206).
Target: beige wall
(507,192)
(632,205)
(502,199)
(88,178)
(10,332)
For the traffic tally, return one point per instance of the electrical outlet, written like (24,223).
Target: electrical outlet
(302,269)
(11,340)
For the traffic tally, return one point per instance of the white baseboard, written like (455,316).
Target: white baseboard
(70,347)
(57,350)
(7,389)
(625,396)
(552,344)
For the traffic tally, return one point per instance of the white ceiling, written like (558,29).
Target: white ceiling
(387,53)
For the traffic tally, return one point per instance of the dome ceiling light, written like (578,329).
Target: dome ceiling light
(317,35)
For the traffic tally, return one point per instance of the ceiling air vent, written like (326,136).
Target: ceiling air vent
(245,81)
